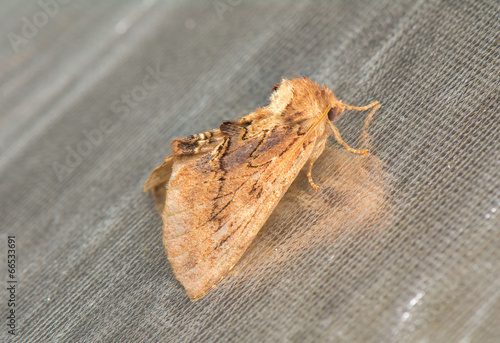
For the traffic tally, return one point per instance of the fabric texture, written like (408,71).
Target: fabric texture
(401,246)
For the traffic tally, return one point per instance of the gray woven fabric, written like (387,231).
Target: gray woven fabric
(402,248)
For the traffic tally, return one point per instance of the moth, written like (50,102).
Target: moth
(217,188)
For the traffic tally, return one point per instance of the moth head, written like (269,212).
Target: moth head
(335,111)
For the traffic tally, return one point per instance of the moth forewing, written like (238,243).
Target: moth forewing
(219,222)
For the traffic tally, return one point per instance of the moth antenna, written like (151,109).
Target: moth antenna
(356,108)
(311,130)
(315,124)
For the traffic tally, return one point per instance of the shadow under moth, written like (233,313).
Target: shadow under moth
(217,189)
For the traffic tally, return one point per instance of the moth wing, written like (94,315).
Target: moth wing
(160,175)
(218,200)
(158,179)
(157,182)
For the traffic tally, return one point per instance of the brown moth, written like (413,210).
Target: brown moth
(218,188)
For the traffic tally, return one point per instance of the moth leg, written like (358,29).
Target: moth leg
(309,171)
(336,135)
(364,135)
(316,153)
